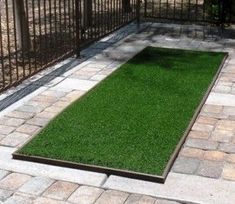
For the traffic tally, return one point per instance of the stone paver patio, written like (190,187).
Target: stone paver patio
(204,171)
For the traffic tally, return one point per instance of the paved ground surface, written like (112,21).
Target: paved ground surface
(204,171)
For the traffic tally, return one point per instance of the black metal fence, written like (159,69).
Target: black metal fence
(213,11)
(37,33)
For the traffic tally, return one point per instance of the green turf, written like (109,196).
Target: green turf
(134,119)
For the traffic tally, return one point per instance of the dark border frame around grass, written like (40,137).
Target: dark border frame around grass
(126,173)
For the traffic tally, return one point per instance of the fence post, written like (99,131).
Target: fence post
(77,16)
(22,25)
(138,13)
(87,13)
(145,8)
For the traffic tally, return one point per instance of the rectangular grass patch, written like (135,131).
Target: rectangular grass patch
(131,123)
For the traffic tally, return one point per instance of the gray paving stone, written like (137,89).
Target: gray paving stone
(221,99)
(30,109)
(112,197)
(40,105)
(38,121)
(186,165)
(57,94)
(98,77)
(14,139)
(16,199)
(140,199)
(210,169)
(227,147)
(202,144)
(3,173)
(36,185)
(85,195)
(75,84)
(19,114)
(4,194)
(13,122)
(5,130)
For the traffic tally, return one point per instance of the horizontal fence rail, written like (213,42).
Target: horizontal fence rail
(213,11)
(37,33)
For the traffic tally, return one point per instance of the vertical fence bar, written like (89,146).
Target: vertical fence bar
(196,11)
(27,19)
(189,9)
(138,13)
(77,27)
(34,36)
(2,52)
(40,31)
(15,39)
(55,24)
(8,41)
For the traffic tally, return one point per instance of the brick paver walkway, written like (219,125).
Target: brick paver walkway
(208,152)
(18,188)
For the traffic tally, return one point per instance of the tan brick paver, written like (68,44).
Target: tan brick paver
(135,198)
(193,153)
(214,155)
(28,129)
(13,181)
(14,139)
(61,190)
(230,158)
(229,172)
(207,120)
(222,135)
(199,134)
(13,122)
(112,197)
(85,195)
(47,114)
(41,122)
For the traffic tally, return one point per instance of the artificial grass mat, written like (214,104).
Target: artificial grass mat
(134,119)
